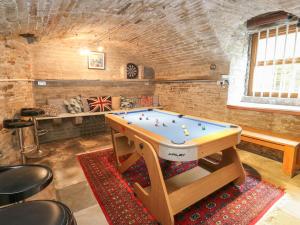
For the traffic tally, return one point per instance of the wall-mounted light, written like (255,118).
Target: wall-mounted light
(84,51)
(224,81)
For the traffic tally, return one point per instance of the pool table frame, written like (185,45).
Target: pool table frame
(164,201)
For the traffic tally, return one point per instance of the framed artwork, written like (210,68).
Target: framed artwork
(96,60)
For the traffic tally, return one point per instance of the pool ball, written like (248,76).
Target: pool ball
(183,126)
(140,118)
(186,132)
(199,124)
(203,128)
(164,124)
(173,121)
(147,118)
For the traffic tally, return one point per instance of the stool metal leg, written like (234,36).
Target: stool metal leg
(38,153)
(21,144)
(36,137)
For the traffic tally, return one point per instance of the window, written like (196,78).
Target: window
(275,62)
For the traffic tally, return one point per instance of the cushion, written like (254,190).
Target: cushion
(51,110)
(100,104)
(85,104)
(116,102)
(129,102)
(74,105)
(59,103)
(146,101)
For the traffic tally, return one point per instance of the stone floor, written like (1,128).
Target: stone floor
(71,187)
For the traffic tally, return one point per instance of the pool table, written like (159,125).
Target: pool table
(157,134)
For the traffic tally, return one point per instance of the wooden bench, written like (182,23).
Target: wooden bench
(84,114)
(289,146)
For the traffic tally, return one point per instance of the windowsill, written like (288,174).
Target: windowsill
(283,109)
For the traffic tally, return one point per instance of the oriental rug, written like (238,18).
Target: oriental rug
(232,204)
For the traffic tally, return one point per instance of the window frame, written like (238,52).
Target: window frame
(253,49)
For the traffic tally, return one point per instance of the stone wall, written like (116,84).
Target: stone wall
(15,63)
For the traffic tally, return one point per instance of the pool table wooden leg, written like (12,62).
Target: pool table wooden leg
(113,140)
(230,155)
(155,198)
(128,162)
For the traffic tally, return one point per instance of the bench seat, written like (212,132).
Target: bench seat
(84,114)
(289,146)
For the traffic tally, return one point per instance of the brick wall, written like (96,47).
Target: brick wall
(61,59)
(208,100)
(15,63)
(69,89)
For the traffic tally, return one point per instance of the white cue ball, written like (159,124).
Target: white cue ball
(183,126)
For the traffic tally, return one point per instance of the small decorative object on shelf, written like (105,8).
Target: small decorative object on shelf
(132,71)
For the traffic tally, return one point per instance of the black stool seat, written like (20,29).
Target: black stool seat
(37,213)
(32,112)
(16,123)
(22,181)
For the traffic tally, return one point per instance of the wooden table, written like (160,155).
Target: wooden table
(132,133)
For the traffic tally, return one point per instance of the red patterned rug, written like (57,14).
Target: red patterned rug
(232,204)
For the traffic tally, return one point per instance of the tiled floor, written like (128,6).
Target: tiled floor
(71,187)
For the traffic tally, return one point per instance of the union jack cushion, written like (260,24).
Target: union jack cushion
(146,101)
(99,104)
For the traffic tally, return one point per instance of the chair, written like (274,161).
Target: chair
(33,113)
(18,125)
(37,213)
(22,181)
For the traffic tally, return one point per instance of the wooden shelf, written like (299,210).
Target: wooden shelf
(53,83)
(187,81)
(72,83)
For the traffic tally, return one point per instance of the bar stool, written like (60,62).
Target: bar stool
(44,212)
(18,125)
(33,113)
(19,182)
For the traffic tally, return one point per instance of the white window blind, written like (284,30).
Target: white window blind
(277,62)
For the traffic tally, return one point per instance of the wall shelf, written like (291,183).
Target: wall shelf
(53,83)
(60,83)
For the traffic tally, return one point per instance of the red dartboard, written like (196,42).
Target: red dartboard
(132,71)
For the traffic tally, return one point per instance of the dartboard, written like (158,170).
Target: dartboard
(132,71)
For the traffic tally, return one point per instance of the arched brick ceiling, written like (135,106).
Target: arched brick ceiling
(228,17)
(174,36)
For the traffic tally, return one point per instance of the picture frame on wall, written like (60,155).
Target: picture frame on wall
(96,60)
